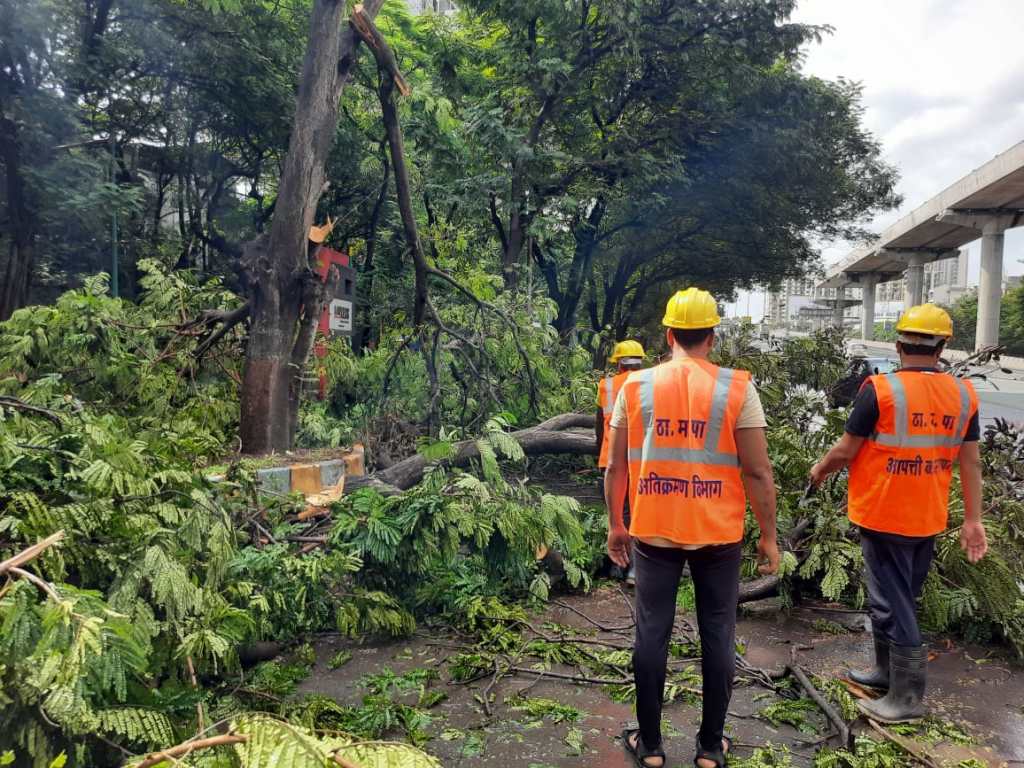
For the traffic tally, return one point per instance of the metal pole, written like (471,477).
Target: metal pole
(113,220)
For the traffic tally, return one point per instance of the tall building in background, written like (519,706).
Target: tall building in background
(785,303)
(945,281)
(431,6)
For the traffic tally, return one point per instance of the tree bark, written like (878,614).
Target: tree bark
(21,222)
(279,263)
(586,244)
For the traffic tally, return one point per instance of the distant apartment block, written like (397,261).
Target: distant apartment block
(946,281)
(431,6)
(798,299)
(784,304)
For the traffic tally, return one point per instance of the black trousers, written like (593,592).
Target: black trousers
(897,567)
(716,577)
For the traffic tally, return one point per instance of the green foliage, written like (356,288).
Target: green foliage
(540,708)
(794,712)
(1011,321)
(456,538)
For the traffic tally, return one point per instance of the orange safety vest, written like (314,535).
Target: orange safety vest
(607,391)
(684,470)
(899,480)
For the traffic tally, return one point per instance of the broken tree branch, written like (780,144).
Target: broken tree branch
(367,30)
(36,410)
(227,319)
(187,748)
(31,553)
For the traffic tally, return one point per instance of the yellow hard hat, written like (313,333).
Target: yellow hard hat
(691,309)
(628,348)
(926,319)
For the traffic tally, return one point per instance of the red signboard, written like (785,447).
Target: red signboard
(339,308)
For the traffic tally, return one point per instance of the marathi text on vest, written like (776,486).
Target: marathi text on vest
(918,466)
(695,487)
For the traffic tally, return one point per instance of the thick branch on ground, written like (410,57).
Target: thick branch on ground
(544,438)
(834,717)
(768,586)
(35,410)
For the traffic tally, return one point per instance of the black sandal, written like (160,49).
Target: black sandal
(639,752)
(716,756)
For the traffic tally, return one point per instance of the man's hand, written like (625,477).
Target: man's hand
(973,541)
(618,546)
(818,474)
(767,555)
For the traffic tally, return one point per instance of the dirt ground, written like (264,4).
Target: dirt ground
(978,689)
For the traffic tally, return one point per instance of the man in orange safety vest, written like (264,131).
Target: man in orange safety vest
(906,431)
(627,356)
(687,446)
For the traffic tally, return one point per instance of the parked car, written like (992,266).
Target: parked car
(845,390)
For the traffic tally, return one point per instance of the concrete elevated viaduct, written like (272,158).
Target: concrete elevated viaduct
(984,203)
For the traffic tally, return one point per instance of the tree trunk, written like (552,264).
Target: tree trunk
(517,224)
(22,224)
(282,327)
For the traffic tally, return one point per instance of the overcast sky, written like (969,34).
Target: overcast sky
(943,90)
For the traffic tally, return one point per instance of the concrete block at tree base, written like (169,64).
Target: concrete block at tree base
(355,461)
(331,472)
(275,479)
(306,479)
(313,478)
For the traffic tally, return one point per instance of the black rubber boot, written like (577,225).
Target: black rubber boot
(904,701)
(878,675)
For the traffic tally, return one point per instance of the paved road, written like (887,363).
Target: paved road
(1001,394)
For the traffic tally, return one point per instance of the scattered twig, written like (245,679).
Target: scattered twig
(595,622)
(486,695)
(629,604)
(583,678)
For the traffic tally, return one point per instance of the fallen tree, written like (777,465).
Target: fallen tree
(560,434)
(548,437)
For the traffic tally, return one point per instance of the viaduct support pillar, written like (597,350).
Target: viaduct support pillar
(837,313)
(915,278)
(868,283)
(839,308)
(990,288)
(992,225)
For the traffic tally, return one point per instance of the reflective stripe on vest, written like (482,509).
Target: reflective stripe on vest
(902,439)
(609,395)
(713,431)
